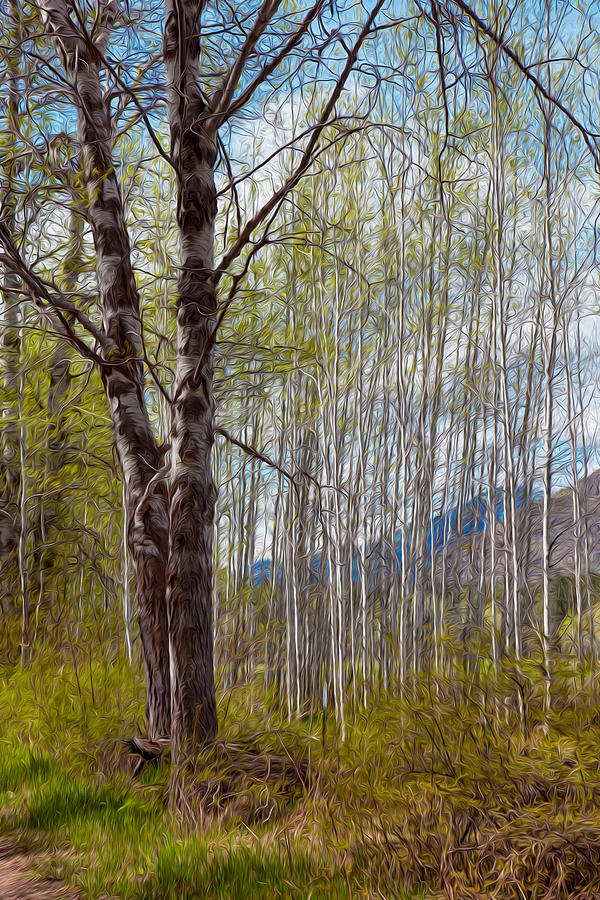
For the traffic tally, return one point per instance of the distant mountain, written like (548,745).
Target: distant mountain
(458,547)
(463,558)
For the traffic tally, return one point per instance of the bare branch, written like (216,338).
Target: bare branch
(256,454)
(222,114)
(498,40)
(225,95)
(307,156)
(13,260)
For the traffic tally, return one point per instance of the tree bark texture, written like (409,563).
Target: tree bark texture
(192,491)
(170,507)
(122,373)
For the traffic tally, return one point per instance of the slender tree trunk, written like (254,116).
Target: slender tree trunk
(10,469)
(575,488)
(549,361)
(126,576)
(24,575)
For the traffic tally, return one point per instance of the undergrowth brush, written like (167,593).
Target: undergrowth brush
(453,787)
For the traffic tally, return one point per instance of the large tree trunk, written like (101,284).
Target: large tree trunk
(192,491)
(122,375)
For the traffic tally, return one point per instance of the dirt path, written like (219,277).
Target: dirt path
(18,880)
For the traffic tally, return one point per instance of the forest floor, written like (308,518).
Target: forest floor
(19,878)
(459,787)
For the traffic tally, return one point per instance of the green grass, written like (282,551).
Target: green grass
(64,779)
(456,786)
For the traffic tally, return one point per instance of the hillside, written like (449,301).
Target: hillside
(463,556)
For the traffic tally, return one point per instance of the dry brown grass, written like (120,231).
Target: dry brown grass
(451,789)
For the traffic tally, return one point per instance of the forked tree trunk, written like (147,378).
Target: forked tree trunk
(192,491)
